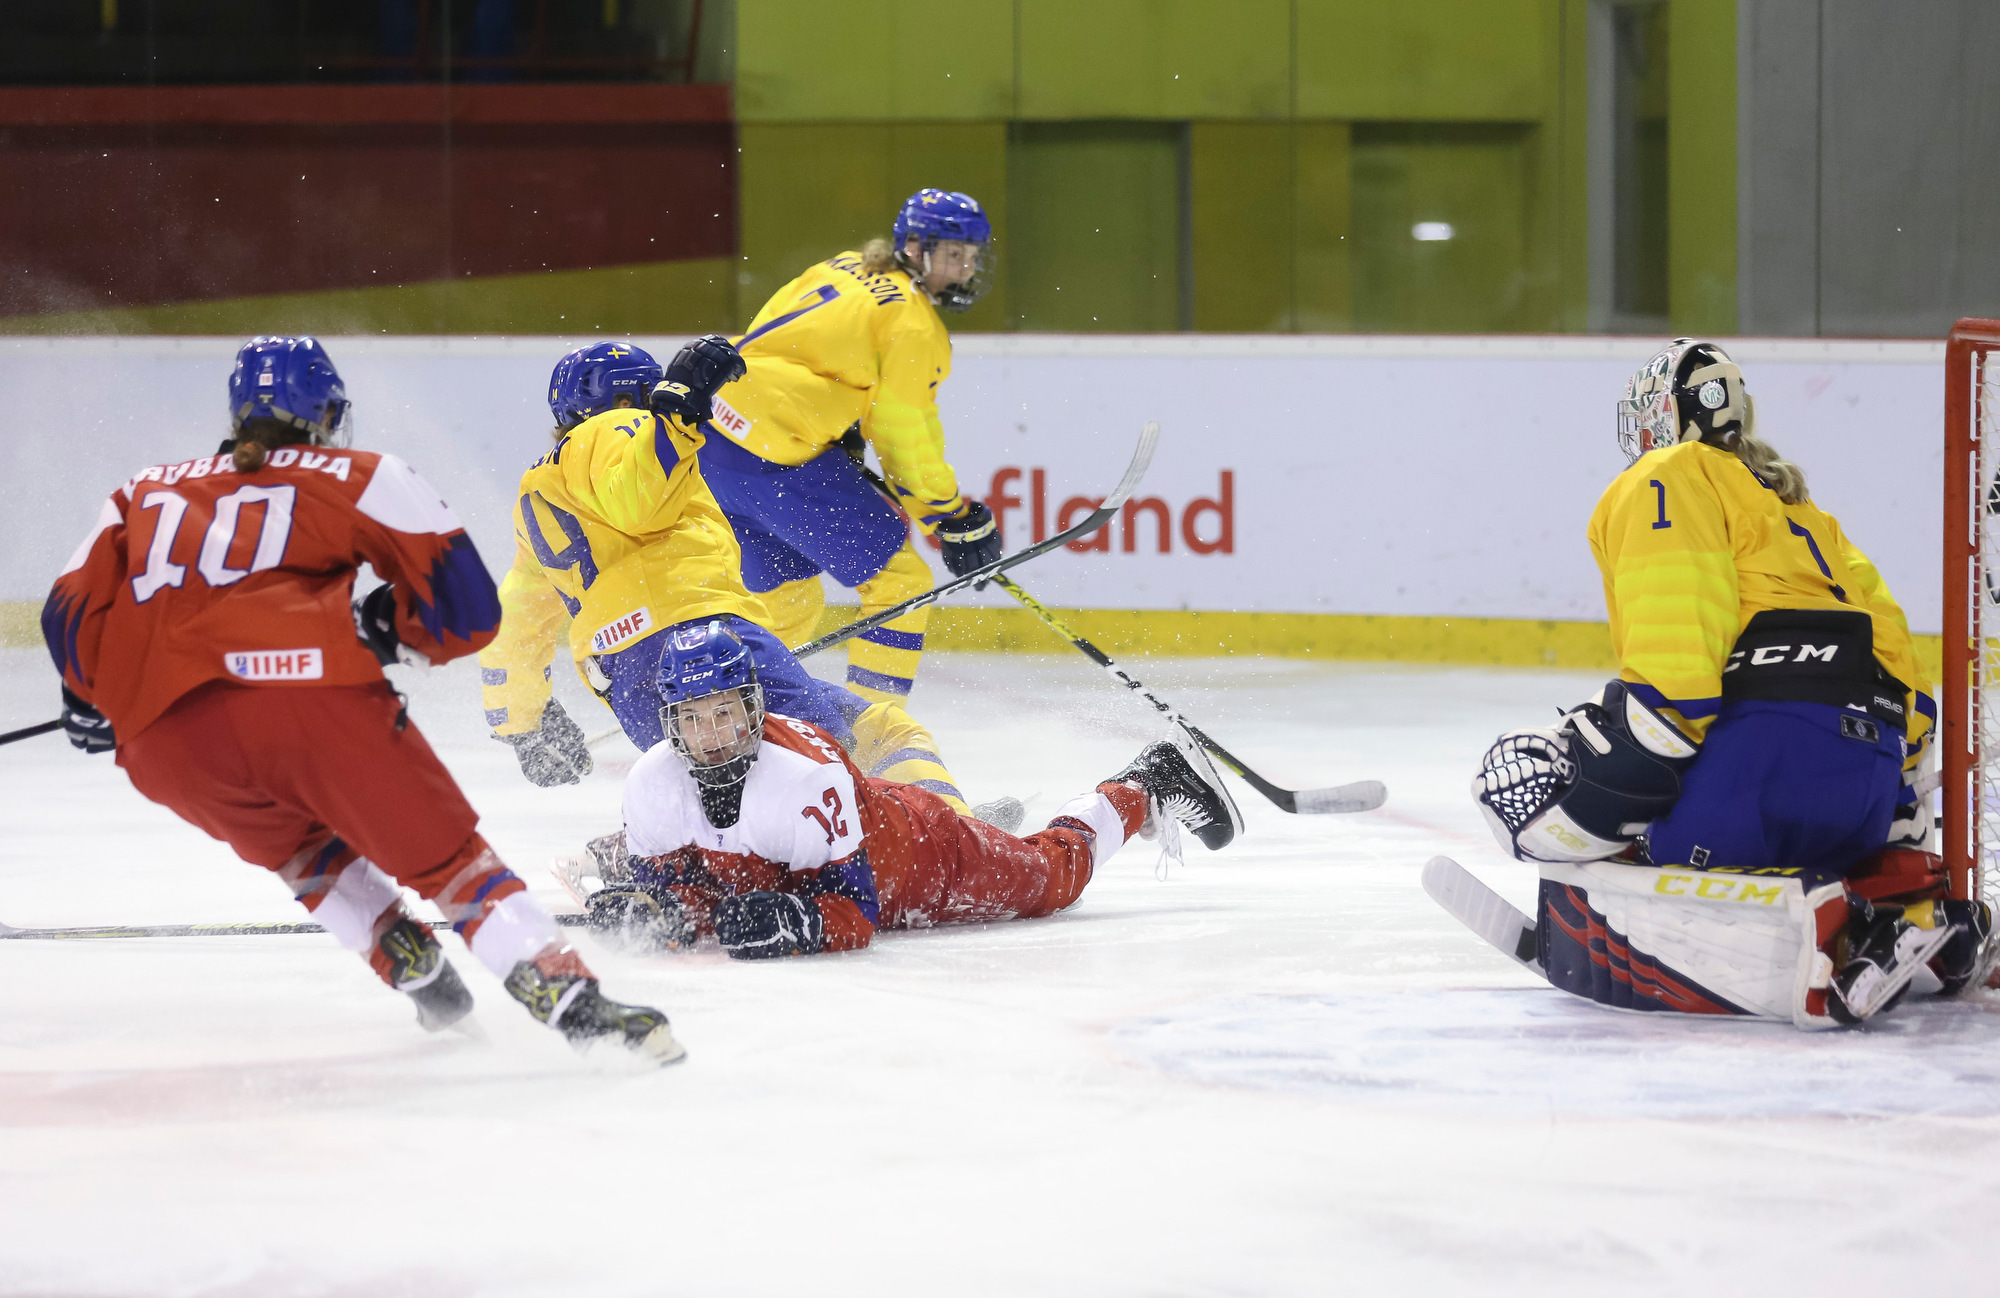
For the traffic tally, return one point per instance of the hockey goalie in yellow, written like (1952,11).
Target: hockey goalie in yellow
(848,356)
(1769,725)
(618,541)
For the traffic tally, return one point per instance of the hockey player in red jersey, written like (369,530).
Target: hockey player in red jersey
(204,630)
(761,830)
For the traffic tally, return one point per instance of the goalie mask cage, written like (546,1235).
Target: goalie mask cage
(1969,709)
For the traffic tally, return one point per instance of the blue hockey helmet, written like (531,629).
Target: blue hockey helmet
(291,380)
(714,713)
(590,380)
(932,216)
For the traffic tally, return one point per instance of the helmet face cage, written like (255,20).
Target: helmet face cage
(1647,417)
(959,296)
(716,734)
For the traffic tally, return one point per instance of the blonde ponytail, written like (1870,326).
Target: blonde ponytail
(1762,459)
(878,256)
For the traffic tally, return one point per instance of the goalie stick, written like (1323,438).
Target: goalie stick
(8,932)
(1142,456)
(1482,910)
(1362,795)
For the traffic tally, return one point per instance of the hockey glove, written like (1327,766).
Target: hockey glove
(971,538)
(693,376)
(554,753)
(761,925)
(86,727)
(375,623)
(640,920)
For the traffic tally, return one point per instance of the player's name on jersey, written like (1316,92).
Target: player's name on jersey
(282,458)
(275,664)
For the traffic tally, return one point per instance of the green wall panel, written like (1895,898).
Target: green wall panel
(1241,203)
(1323,220)
(811,190)
(1477,179)
(1424,60)
(799,60)
(1094,226)
(1270,209)
(1182,59)
(1701,166)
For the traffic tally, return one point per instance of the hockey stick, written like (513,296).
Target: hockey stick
(1142,456)
(1482,910)
(29,732)
(8,932)
(1362,795)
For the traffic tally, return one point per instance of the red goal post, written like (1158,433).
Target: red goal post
(1968,710)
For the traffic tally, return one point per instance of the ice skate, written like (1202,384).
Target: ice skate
(1967,956)
(557,989)
(1886,952)
(1181,782)
(416,966)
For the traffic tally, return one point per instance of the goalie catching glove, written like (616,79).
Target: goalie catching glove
(1586,789)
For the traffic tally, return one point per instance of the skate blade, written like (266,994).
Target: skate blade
(1212,837)
(1909,959)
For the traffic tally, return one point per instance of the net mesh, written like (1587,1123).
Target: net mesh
(1984,707)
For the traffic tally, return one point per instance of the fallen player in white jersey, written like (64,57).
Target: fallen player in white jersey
(760,830)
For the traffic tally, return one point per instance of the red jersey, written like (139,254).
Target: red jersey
(196,572)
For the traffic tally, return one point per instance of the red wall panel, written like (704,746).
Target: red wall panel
(168,209)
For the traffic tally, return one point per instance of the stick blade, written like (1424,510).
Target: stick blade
(1341,799)
(1142,459)
(1482,910)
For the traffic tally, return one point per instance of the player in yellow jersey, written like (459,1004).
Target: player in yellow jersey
(851,353)
(1766,717)
(617,542)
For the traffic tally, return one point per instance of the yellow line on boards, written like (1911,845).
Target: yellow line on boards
(1174,633)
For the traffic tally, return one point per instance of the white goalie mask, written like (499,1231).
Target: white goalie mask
(1660,402)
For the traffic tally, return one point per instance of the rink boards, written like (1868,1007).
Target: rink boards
(1419,495)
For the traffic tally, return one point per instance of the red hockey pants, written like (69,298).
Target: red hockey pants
(953,869)
(301,780)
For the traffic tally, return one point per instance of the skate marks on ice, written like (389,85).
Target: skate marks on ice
(1523,1052)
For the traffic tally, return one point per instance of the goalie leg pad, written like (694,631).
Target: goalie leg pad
(1691,941)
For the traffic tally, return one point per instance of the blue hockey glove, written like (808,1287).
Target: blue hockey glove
(640,920)
(555,752)
(971,539)
(375,624)
(86,727)
(761,925)
(693,376)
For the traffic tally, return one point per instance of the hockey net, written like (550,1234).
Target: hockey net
(1969,706)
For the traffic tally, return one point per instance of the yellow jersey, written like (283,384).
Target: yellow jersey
(1691,545)
(617,536)
(838,346)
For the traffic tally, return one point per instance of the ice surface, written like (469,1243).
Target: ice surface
(1279,1070)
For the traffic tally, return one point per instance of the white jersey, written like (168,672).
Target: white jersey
(800,807)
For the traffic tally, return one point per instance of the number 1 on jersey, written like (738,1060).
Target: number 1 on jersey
(1661,487)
